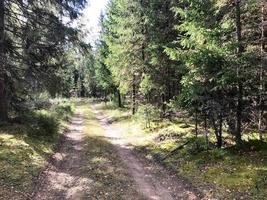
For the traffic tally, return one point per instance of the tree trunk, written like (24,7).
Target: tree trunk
(134,95)
(261,76)
(217,131)
(239,106)
(206,132)
(3,100)
(196,128)
(219,139)
(196,124)
(119,98)
(239,116)
(163,99)
(105,97)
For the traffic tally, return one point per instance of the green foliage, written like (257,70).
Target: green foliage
(36,41)
(147,114)
(213,79)
(42,124)
(45,121)
(63,112)
(103,74)
(218,154)
(184,58)
(124,40)
(146,85)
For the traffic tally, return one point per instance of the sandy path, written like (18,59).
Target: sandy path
(151,179)
(62,178)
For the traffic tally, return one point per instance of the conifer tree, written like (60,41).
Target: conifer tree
(33,38)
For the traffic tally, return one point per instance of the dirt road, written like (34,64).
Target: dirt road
(152,180)
(62,178)
(67,178)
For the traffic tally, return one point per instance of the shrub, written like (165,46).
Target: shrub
(197,145)
(42,104)
(63,111)
(147,114)
(218,154)
(42,124)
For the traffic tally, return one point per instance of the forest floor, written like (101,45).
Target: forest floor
(94,161)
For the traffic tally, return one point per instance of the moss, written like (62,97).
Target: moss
(24,149)
(21,158)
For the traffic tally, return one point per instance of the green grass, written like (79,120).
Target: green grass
(25,147)
(220,173)
(232,174)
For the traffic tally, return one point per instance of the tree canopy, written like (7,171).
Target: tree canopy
(206,57)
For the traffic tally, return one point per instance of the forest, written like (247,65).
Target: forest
(183,80)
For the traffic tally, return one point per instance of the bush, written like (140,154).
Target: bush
(218,154)
(197,145)
(42,124)
(63,111)
(42,104)
(45,122)
(147,114)
(40,101)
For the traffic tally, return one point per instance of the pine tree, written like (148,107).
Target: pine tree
(33,39)
(125,40)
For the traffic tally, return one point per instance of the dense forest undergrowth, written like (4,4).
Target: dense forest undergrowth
(228,173)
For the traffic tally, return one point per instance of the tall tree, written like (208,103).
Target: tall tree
(3,106)
(33,39)
(125,40)
(239,105)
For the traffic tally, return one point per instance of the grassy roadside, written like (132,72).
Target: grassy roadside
(101,165)
(221,174)
(25,145)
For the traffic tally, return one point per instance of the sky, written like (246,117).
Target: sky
(90,18)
